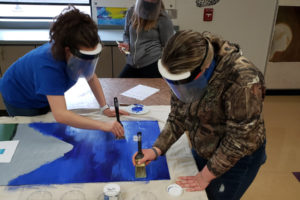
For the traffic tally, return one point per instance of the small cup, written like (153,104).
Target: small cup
(174,190)
(111,191)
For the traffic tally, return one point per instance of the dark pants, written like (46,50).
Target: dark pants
(149,71)
(14,111)
(234,183)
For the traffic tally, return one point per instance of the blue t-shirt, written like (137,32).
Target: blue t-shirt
(27,82)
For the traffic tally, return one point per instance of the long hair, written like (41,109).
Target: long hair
(142,24)
(185,51)
(72,29)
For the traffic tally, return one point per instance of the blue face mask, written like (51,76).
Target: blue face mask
(195,89)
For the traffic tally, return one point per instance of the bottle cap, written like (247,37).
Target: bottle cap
(111,190)
(174,190)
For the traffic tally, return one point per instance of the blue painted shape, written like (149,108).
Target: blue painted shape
(137,108)
(2,151)
(97,156)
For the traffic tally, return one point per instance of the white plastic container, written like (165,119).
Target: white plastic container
(111,191)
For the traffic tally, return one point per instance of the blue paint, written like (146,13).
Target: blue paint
(96,156)
(2,151)
(137,108)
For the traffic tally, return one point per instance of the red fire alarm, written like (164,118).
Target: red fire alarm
(208,14)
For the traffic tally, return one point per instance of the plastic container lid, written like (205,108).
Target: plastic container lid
(111,190)
(174,190)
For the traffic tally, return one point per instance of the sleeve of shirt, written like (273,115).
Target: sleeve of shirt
(50,81)
(173,129)
(166,28)
(126,26)
(245,130)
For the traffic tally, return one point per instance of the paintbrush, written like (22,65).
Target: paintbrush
(140,169)
(116,103)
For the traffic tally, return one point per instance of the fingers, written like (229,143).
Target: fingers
(191,184)
(109,113)
(143,160)
(117,129)
(123,112)
(133,159)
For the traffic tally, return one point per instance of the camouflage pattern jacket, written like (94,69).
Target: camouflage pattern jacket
(227,123)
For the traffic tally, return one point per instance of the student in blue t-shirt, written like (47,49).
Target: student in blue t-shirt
(36,83)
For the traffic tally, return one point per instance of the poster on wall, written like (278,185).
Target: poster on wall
(286,39)
(111,16)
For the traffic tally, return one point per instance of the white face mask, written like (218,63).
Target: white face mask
(83,63)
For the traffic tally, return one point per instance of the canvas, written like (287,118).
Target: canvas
(53,153)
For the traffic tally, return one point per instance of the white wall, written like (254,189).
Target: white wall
(246,22)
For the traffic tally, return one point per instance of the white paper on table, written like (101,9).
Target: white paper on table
(7,150)
(140,92)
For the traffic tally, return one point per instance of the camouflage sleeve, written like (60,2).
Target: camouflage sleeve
(173,129)
(245,130)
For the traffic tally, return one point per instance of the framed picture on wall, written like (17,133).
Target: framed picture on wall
(286,39)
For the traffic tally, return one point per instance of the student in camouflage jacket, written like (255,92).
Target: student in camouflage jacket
(224,123)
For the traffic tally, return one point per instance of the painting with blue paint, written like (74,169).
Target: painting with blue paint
(96,156)
(2,151)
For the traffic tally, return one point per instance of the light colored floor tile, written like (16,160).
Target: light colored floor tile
(275,180)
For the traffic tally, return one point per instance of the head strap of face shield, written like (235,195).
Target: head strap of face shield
(87,56)
(195,73)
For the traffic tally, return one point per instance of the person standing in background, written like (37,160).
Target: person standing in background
(217,99)
(36,82)
(147,29)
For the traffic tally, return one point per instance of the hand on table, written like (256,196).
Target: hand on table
(193,183)
(111,113)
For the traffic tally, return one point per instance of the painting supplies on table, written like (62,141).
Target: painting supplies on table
(116,104)
(123,49)
(140,169)
(111,191)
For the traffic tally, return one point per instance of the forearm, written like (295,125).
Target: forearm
(72,119)
(206,175)
(97,90)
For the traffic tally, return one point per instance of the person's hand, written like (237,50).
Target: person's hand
(111,113)
(123,112)
(149,155)
(193,183)
(123,47)
(115,127)
(198,182)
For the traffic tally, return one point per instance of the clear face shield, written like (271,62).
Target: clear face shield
(188,86)
(83,63)
(148,9)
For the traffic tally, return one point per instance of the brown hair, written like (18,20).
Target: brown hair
(185,51)
(142,24)
(72,29)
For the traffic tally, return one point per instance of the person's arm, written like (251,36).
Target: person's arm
(62,115)
(172,131)
(127,24)
(97,90)
(244,130)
